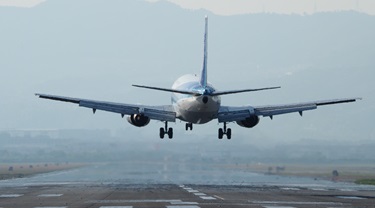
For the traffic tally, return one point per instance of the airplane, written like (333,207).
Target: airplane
(196,101)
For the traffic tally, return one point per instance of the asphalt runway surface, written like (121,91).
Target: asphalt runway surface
(126,185)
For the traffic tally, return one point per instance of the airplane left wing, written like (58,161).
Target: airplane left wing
(230,114)
(161,113)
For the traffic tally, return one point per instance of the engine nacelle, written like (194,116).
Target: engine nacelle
(249,122)
(138,120)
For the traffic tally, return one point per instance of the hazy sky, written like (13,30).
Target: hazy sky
(94,55)
(230,7)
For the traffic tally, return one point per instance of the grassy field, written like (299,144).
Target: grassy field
(359,173)
(18,170)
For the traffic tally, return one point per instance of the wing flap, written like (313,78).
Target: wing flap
(161,113)
(233,115)
(283,109)
(298,107)
(111,107)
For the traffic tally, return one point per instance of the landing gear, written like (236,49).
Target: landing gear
(166,130)
(225,131)
(189,126)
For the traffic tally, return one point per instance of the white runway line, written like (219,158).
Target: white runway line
(277,207)
(294,203)
(318,189)
(116,207)
(219,197)
(184,203)
(50,195)
(50,207)
(207,197)
(192,191)
(291,189)
(10,195)
(199,194)
(116,201)
(183,207)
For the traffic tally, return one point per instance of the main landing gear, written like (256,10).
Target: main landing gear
(166,130)
(189,126)
(225,131)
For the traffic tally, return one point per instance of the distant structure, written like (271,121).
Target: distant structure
(335,175)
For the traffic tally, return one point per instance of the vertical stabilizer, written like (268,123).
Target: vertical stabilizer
(203,80)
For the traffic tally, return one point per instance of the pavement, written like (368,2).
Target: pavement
(136,185)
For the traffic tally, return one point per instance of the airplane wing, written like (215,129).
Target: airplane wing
(161,113)
(230,114)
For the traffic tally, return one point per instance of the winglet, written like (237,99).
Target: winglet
(203,81)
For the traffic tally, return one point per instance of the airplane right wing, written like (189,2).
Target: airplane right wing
(231,114)
(161,113)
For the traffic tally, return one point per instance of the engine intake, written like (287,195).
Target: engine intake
(138,120)
(249,122)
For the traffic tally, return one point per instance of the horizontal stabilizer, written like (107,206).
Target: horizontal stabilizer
(169,90)
(240,91)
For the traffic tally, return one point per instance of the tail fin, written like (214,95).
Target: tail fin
(203,80)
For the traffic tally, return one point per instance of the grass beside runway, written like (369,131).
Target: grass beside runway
(21,170)
(357,173)
(366,181)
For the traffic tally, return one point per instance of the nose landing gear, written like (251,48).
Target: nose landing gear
(225,131)
(189,126)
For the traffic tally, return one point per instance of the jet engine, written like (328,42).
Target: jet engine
(138,120)
(249,122)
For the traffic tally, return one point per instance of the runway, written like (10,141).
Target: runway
(139,185)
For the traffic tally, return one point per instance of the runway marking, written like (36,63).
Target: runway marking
(291,189)
(219,197)
(116,207)
(183,207)
(294,203)
(207,197)
(277,207)
(201,195)
(171,201)
(318,189)
(50,207)
(184,203)
(349,197)
(50,195)
(192,191)
(10,195)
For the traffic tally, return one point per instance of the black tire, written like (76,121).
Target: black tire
(161,133)
(229,133)
(170,133)
(187,126)
(191,126)
(221,133)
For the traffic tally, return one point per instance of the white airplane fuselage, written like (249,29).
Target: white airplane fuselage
(191,108)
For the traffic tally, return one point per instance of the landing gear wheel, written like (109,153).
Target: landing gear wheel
(166,130)
(221,133)
(225,131)
(170,133)
(161,133)
(188,126)
(229,133)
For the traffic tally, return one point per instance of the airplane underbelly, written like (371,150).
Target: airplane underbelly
(193,110)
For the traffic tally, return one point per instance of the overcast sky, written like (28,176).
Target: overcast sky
(230,7)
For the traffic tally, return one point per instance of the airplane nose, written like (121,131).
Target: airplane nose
(205,99)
